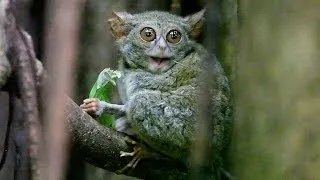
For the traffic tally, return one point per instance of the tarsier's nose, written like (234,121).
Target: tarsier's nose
(162,44)
(159,48)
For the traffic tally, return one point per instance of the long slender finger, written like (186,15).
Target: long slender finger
(90,105)
(122,153)
(92,109)
(93,104)
(136,162)
(83,105)
(132,162)
(130,141)
(89,100)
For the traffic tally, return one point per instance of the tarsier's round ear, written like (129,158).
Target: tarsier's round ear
(196,23)
(118,23)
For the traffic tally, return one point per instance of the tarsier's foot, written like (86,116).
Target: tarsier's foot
(139,152)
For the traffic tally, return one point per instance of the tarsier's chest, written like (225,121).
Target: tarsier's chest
(137,81)
(181,75)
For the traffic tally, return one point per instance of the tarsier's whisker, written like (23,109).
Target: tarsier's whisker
(182,64)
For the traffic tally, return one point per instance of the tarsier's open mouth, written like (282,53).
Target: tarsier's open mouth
(159,64)
(158,61)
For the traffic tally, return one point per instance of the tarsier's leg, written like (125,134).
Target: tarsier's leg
(123,125)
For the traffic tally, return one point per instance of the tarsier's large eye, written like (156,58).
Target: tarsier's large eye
(173,36)
(148,34)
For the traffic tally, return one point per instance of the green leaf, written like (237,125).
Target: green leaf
(93,90)
(106,120)
(101,90)
(107,76)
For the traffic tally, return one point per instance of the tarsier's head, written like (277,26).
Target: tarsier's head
(155,41)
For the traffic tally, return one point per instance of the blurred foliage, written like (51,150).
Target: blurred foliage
(277,91)
(228,34)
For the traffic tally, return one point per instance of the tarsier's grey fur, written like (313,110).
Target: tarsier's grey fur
(160,106)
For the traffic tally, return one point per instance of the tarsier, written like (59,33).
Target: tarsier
(160,64)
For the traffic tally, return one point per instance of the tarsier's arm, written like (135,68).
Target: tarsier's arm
(95,107)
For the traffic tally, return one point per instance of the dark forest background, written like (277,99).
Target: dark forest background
(270,52)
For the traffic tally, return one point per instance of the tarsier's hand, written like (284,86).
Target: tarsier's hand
(95,107)
(92,106)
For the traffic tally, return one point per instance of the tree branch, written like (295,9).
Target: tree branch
(101,146)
